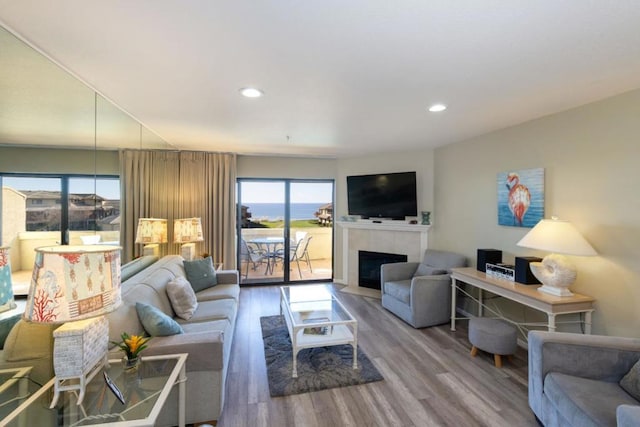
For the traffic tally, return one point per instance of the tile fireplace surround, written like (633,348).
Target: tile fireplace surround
(397,237)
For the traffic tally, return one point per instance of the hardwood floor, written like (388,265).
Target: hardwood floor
(430,377)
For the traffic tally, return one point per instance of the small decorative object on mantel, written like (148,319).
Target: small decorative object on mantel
(132,346)
(426,217)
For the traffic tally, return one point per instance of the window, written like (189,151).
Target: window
(65,207)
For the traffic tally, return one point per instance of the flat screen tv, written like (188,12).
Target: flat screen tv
(387,195)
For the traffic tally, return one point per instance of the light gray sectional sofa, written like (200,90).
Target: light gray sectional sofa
(207,335)
(574,379)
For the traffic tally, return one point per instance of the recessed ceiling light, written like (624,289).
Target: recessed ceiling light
(436,108)
(251,92)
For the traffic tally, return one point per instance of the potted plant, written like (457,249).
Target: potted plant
(132,345)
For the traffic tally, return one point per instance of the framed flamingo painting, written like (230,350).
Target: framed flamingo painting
(521,197)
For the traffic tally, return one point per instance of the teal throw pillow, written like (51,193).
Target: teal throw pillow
(631,381)
(155,322)
(200,273)
(5,327)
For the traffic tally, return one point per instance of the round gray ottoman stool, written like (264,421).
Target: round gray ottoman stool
(493,336)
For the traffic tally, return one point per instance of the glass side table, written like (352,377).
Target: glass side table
(145,393)
(15,388)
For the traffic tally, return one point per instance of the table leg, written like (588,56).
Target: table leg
(295,363)
(355,348)
(182,378)
(587,322)
(552,322)
(480,303)
(454,293)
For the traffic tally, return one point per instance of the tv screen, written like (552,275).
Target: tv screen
(388,195)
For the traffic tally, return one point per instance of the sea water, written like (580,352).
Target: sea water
(275,211)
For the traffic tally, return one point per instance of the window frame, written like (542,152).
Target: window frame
(64,194)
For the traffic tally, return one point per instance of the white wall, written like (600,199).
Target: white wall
(285,167)
(590,155)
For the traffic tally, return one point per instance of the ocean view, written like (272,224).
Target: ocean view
(275,211)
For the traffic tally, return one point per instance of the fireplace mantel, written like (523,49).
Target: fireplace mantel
(384,225)
(386,236)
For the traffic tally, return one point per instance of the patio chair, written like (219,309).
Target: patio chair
(298,252)
(251,255)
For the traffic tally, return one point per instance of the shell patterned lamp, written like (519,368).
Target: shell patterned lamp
(187,231)
(556,272)
(75,286)
(151,232)
(6,287)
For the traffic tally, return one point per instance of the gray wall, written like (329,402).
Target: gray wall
(51,160)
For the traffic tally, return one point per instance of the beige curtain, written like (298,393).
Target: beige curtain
(173,185)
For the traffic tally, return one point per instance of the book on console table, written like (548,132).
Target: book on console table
(316,330)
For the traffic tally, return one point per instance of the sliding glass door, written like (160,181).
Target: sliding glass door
(285,230)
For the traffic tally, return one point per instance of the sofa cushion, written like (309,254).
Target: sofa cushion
(155,322)
(427,270)
(200,273)
(182,297)
(214,310)
(219,292)
(29,341)
(573,398)
(631,381)
(400,290)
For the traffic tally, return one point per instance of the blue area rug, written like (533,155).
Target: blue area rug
(318,368)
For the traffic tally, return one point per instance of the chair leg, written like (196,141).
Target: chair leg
(497,360)
(299,271)
(308,262)
(474,351)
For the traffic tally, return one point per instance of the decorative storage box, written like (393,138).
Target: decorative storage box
(79,346)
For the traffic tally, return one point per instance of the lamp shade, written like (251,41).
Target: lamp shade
(187,230)
(151,230)
(73,283)
(6,287)
(558,236)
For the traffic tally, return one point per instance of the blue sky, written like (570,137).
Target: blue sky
(108,188)
(252,192)
(273,192)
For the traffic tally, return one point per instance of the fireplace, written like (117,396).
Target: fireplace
(369,266)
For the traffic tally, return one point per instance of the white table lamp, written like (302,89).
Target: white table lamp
(151,232)
(556,272)
(7,301)
(75,286)
(187,231)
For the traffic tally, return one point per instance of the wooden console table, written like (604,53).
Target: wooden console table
(524,294)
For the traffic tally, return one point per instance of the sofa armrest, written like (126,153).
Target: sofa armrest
(205,349)
(397,271)
(227,277)
(597,357)
(628,415)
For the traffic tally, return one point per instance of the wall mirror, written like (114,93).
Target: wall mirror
(43,105)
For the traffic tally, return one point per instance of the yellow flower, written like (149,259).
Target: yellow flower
(132,345)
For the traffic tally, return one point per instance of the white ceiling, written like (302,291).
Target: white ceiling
(341,78)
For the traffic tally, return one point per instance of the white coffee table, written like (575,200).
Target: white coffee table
(316,318)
